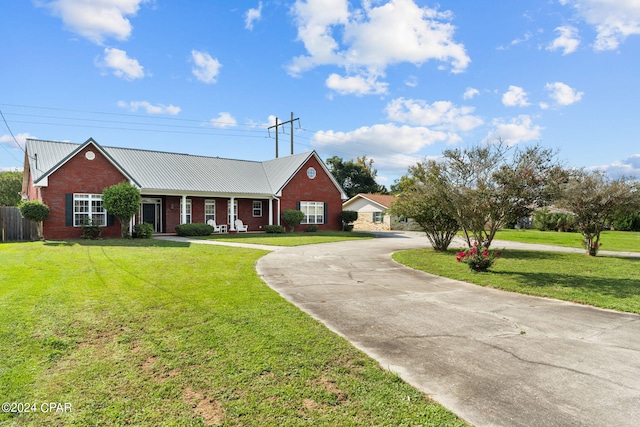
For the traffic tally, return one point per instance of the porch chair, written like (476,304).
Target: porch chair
(240,226)
(216,228)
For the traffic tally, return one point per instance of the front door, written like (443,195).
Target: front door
(151,213)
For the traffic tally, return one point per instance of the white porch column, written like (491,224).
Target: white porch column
(270,211)
(278,212)
(233,213)
(183,210)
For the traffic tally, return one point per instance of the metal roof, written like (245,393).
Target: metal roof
(173,172)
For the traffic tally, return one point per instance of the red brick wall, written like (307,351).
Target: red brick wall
(78,175)
(319,189)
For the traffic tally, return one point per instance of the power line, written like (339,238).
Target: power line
(12,136)
(282,124)
(148,125)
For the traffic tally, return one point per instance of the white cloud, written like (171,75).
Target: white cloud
(563,94)
(411,81)
(441,116)
(224,120)
(568,40)
(629,167)
(373,38)
(515,97)
(97,20)
(21,138)
(121,65)
(470,93)
(381,139)
(524,39)
(614,20)
(206,68)
(149,108)
(252,15)
(517,130)
(356,85)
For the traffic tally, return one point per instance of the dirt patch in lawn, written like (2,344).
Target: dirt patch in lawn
(209,409)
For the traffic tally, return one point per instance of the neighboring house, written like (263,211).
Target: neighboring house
(175,188)
(372,212)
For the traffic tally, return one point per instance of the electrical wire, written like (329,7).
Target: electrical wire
(153,124)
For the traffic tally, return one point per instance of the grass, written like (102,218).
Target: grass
(290,239)
(153,333)
(605,282)
(624,241)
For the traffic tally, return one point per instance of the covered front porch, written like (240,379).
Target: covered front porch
(165,212)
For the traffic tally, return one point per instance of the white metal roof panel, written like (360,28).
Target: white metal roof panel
(163,171)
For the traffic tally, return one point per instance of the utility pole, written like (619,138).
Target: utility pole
(278,123)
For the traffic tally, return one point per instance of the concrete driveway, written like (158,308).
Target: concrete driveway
(494,358)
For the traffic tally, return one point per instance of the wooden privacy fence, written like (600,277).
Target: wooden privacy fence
(14,228)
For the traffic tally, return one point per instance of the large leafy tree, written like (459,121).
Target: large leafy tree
(355,176)
(491,185)
(425,199)
(122,201)
(10,187)
(595,200)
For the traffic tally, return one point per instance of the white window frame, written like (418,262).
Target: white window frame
(209,210)
(93,209)
(257,208)
(188,216)
(377,217)
(313,212)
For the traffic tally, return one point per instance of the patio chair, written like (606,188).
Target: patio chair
(240,226)
(216,228)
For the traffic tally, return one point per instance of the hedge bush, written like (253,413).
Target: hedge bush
(312,228)
(195,229)
(143,231)
(274,229)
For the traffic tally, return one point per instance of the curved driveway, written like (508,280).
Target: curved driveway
(495,358)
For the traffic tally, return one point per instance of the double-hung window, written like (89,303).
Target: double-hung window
(209,210)
(377,217)
(188,219)
(313,212)
(257,208)
(88,209)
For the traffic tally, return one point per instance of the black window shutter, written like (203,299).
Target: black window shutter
(326,211)
(298,206)
(110,219)
(68,212)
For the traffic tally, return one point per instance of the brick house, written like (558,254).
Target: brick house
(175,188)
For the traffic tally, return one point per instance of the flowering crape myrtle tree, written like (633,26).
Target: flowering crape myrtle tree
(595,199)
(424,199)
(492,184)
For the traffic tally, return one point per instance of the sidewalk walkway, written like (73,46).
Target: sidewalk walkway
(220,243)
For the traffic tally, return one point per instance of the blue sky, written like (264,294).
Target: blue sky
(395,80)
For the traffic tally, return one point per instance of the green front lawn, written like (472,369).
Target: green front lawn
(625,241)
(290,239)
(600,281)
(152,333)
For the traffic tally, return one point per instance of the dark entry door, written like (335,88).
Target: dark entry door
(149,215)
